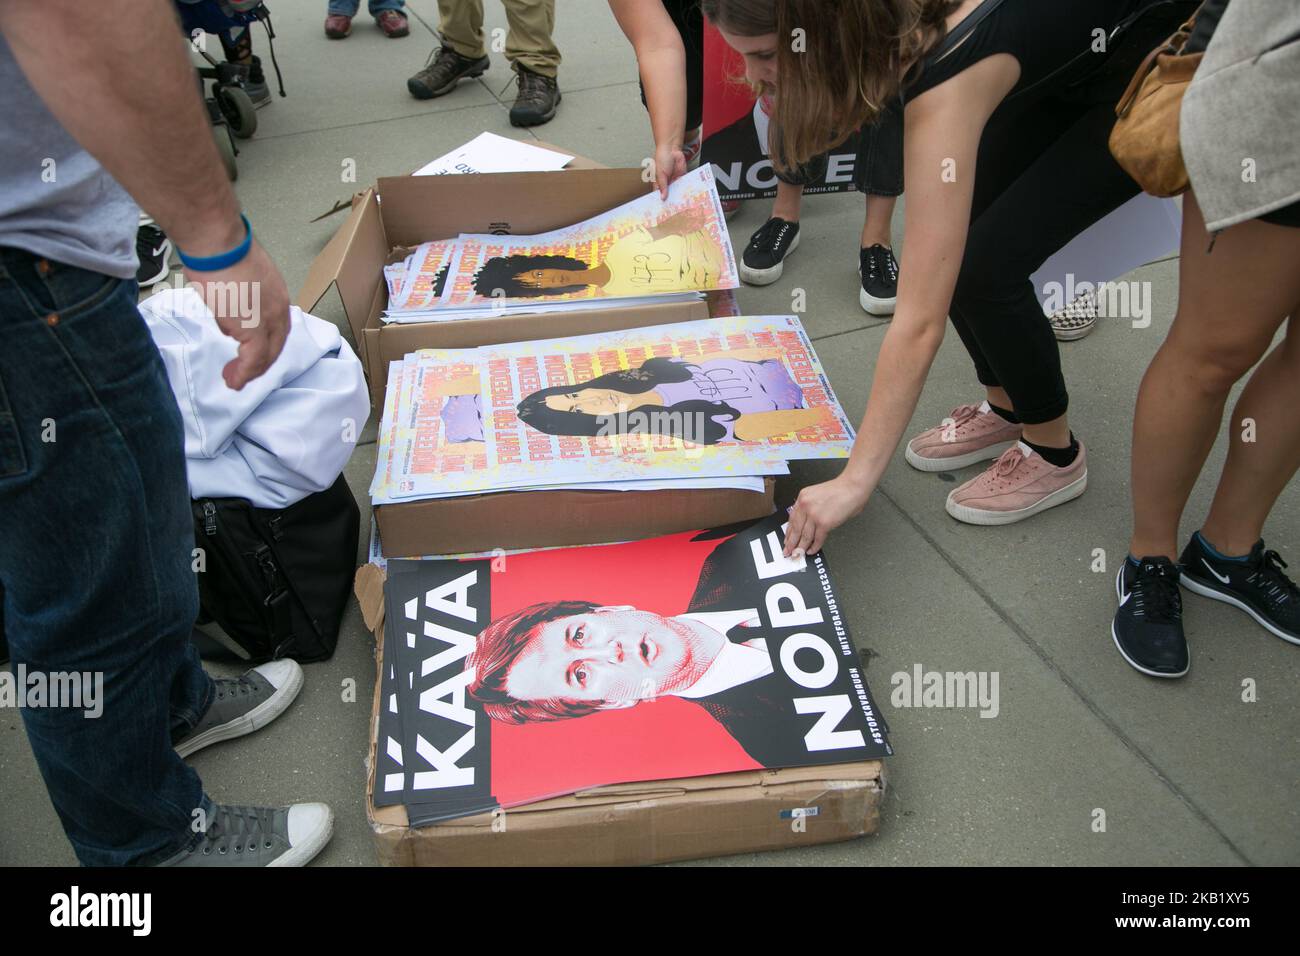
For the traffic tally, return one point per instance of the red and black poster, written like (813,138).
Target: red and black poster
(736,124)
(510,680)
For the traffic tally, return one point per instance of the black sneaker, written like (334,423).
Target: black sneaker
(764,258)
(879,271)
(444,70)
(154,250)
(538,99)
(1148,625)
(1256,584)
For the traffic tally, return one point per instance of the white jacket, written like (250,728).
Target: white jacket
(284,435)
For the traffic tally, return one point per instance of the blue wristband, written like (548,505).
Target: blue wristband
(224,260)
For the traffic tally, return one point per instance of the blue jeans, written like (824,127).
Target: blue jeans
(95,557)
(349,8)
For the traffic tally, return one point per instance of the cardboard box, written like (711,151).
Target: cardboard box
(407,210)
(631,823)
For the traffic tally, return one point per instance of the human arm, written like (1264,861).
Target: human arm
(757,426)
(942,132)
(661,61)
(139,114)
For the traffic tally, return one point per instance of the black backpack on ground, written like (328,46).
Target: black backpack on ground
(277,580)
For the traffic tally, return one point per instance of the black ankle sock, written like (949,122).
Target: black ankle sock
(1060,457)
(1005,413)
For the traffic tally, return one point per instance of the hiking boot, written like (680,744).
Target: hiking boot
(338,26)
(444,69)
(393,23)
(538,99)
(260,836)
(241,705)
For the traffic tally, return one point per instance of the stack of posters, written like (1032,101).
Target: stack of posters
(647,250)
(713,403)
(697,653)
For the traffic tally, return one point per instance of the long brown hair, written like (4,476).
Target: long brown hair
(839,61)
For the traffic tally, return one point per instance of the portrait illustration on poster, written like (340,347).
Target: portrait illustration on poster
(697,653)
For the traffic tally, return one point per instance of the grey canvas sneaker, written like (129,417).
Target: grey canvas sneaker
(260,836)
(241,705)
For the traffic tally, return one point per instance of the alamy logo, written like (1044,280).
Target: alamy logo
(77,909)
(75,690)
(921,688)
(1115,300)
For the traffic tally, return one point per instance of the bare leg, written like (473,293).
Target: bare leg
(876,228)
(789,198)
(1230,303)
(1257,470)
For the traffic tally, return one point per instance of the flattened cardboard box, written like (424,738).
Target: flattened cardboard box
(408,210)
(631,823)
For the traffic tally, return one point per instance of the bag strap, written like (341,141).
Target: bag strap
(1173,46)
(962,30)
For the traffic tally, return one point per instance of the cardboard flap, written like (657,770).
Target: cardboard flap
(368,586)
(353,260)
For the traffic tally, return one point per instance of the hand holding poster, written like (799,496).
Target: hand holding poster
(697,653)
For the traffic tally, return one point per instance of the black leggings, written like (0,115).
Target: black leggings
(1044,174)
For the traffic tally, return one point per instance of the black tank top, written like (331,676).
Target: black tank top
(1043,36)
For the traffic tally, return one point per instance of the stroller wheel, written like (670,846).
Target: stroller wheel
(226,149)
(238,110)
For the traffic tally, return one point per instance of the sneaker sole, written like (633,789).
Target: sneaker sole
(1205,590)
(304,853)
(1058,497)
(420,93)
(873,306)
(539,121)
(751,276)
(1124,654)
(1073,335)
(921,463)
(255,719)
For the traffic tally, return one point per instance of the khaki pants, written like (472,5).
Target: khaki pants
(528,42)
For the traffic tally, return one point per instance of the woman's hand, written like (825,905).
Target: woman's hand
(670,163)
(818,511)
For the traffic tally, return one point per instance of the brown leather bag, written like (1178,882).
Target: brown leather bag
(1144,140)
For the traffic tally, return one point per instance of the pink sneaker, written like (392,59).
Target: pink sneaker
(1019,484)
(971,434)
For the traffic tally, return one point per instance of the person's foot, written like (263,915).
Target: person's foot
(241,705)
(538,99)
(1020,484)
(444,70)
(971,434)
(260,836)
(878,270)
(338,26)
(154,250)
(1076,320)
(255,85)
(1254,583)
(393,23)
(1148,624)
(763,260)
